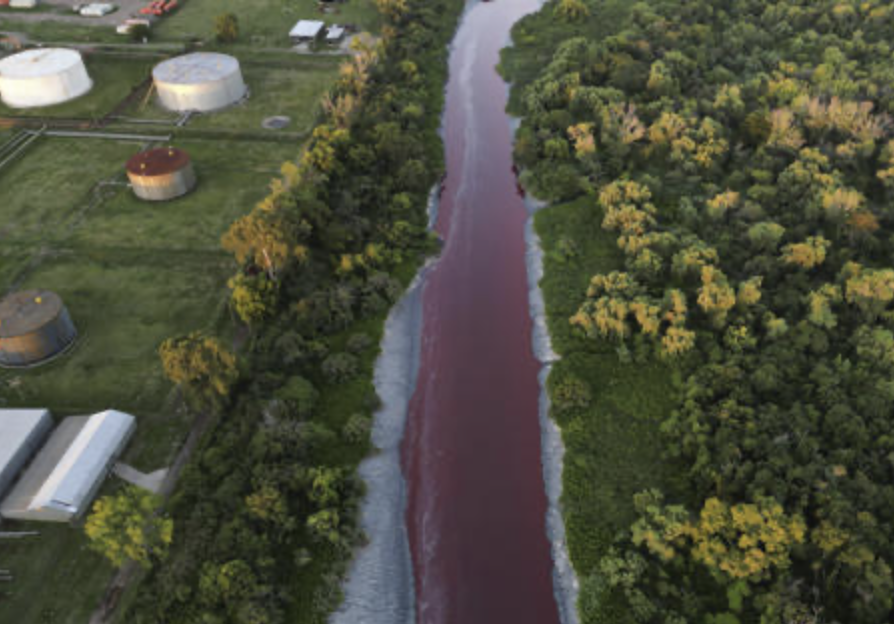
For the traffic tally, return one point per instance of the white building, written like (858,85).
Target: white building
(43,77)
(202,81)
(21,434)
(306,30)
(64,478)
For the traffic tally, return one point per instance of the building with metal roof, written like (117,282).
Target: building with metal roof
(62,481)
(201,81)
(306,30)
(22,431)
(335,34)
(34,327)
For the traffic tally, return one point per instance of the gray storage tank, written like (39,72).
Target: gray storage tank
(34,327)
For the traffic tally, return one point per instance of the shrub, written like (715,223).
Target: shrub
(226,28)
(340,367)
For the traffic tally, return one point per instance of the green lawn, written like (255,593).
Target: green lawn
(286,91)
(113,79)
(227,188)
(261,22)
(131,275)
(614,446)
(57,579)
(44,190)
(60,32)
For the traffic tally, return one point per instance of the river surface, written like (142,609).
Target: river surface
(476,505)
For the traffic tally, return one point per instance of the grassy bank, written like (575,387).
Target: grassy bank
(613,445)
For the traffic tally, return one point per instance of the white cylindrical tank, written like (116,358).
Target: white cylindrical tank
(202,81)
(43,77)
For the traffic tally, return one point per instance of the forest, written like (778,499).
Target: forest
(739,157)
(264,521)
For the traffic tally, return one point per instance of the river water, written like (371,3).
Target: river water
(476,505)
(456,505)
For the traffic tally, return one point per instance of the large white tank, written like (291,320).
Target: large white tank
(202,81)
(43,77)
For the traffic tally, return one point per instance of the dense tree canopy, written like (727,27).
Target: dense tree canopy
(742,152)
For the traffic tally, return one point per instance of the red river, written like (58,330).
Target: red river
(472,451)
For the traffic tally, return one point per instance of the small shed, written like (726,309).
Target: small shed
(22,431)
(34,327)
(66,475)
(161,174)
(307,30)
(335,34)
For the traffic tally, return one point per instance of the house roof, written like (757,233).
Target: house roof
(307,29)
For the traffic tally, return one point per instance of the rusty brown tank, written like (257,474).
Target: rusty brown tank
(34,327)
(161,174)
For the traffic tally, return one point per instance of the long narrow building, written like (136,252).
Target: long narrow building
(65,476)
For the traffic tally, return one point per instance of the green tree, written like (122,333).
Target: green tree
(127,527)
(201,365)
(572,10)
(253,298)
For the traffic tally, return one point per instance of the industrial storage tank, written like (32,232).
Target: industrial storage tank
(43,77)
(202,81)
(160,174)
(34,326)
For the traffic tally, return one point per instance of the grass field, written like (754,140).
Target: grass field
(60,32)
(261,22)
(272,93)
(614,446)
(131,275)
(113,79)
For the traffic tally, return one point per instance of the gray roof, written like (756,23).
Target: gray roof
(84,462)
(335,33)
(16,428)
(307,29)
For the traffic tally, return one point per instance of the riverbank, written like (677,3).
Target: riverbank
(609,448)
(565,582)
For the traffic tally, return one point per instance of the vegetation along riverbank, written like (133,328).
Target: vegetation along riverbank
(718,281)
(265,516)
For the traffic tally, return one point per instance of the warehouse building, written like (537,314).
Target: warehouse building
(62,481)
(161,174)
(34,327)
(43,77)
(202,81)
(22,432)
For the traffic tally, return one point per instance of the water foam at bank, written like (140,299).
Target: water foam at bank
(565,581)
(379,589)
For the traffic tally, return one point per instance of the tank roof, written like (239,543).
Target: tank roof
(26,311)
(39,62)
(157,161)
(195,68)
